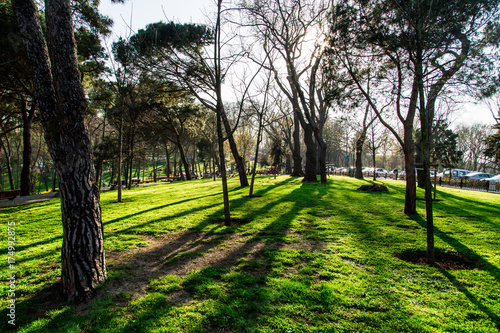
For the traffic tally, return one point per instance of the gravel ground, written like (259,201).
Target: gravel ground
(29,199)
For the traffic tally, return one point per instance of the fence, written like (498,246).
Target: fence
(478,185)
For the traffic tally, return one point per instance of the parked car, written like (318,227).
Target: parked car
(381,171)
(477,175)
(366,169)
(455,173)
(494,179)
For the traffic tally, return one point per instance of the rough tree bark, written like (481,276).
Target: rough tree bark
(62,104)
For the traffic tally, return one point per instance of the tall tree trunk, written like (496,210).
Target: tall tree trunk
(426,117)
(27,116)
(215,164)
(113,171)
(131,160)
(254,169)
(154,163)
(62,104)
(175,163)
(310,172)
(216,161)
(168,161)
(125,173)
(184,160)
(288,163)
(240,165)
(181,173)
(7,160)
(220,115)
(194,166)
(120,157)
(297,159)
(411,186)
(321,158)
(419,161)
(359,155)
(98,172)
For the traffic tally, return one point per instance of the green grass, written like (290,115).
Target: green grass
(312,258)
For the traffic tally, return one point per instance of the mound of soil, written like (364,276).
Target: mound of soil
(445,260)
(234,222)
(373,188)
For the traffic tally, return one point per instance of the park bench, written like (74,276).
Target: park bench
(11,195)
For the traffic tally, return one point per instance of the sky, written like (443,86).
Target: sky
(138,14)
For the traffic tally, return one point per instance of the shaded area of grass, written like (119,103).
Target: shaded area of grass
(312,258)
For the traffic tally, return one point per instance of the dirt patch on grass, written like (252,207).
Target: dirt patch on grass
(445,260)
(373,188)
(184,252)
(234,222)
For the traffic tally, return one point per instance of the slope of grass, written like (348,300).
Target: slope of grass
(311,258)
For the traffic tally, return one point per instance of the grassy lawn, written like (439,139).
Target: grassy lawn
(302,258)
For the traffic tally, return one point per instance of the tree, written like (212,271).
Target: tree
(16,86)
(62,104)
(472,142)
(446,37)
(376,138)
(492,149)
(421,47)
(285,31)
(360,142)
(219,108)
(444,147)
(359,41)
(260,111)
(172,115)
(16,81)
(179,53)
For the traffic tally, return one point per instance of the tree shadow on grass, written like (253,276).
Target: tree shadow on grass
(483,264)
(160,207)
(456,205)
(490,207)
(472,298)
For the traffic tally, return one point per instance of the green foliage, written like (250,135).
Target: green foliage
(205,150)
(443,145)
(276,152)
(493,145)
(171,36)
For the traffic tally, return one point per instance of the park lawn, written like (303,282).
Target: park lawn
(300,258)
